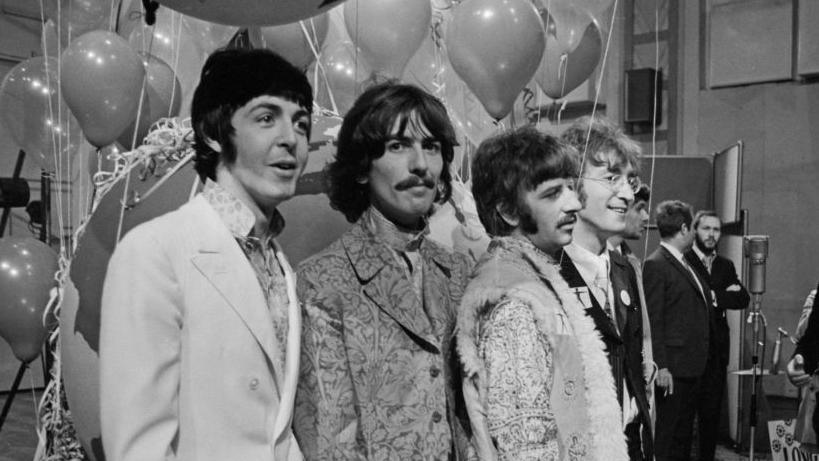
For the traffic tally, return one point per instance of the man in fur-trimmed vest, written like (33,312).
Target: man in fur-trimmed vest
(537,382)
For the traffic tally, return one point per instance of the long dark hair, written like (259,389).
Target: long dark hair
(366,128)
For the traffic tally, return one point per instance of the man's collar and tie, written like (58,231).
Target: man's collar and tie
(681,259)
(707,259)
(595,269)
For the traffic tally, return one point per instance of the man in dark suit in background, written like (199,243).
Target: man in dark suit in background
(678,302)
(603,280)
(730,294)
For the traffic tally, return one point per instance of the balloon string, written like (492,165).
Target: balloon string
(115,13)
(177,47)
(56,131)
(319,65)
(437,38)
(355,52)
(147,50)
(654,113)
(599,83)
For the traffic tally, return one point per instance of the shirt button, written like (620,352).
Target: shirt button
(434,372)
(436,417)
(254,383)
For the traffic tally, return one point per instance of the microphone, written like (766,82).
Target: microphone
(756,250)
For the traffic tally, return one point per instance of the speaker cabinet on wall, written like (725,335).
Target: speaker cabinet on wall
(640,95)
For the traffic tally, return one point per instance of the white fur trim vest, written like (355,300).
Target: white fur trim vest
(515,269)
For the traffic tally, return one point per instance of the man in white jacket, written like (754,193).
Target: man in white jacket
(200,328)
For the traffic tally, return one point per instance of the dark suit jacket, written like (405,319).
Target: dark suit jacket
(624,348)
(722,276)
(808,344)
(679,315)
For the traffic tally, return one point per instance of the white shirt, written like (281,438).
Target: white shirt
(594,269)
(591,268)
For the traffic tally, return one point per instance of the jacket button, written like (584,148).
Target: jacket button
(254,384)
(434,372)
(436,417)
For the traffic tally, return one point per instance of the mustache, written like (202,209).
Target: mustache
(415,181)
(568,219)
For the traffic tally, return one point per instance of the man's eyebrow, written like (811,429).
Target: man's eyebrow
(273,107)
(301,113)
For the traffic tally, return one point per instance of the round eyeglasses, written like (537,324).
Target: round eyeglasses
(615,182)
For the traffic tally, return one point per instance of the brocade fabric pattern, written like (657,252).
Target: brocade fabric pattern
(375,381)
(518,361)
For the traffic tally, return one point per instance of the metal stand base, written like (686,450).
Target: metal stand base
(12,392)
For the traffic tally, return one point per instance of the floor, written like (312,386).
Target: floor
(18,438)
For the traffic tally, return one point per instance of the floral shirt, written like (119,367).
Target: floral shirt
(261,252)
(518,359)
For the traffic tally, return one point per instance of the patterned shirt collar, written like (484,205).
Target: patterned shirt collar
(706,259)
(237,216)
(397,238)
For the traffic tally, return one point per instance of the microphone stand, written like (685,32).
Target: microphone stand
(760,328)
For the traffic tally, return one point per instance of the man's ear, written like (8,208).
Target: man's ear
(510,218)
(213,145)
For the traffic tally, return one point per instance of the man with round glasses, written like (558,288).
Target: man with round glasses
(603,280)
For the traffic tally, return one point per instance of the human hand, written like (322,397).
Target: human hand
(796,371)
(734,287)
(665,381)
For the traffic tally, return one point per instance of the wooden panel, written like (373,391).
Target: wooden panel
(750,41)
(808,36)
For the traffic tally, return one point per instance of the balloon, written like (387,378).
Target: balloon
(101,81)
(566,22)
(495,47)
(388,32)
(76,17)
(27,269)
(290,41)
(207,36)
(162,98)
(169,41)
(251,12)
(560,73)
(33,114)
(346,76)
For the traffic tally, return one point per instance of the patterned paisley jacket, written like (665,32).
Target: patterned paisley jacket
(375,379)
(539,385)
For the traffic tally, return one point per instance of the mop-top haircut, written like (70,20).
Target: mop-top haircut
(230,79)
(509,165)
(369,125)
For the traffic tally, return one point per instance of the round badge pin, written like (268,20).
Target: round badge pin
(625,297)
